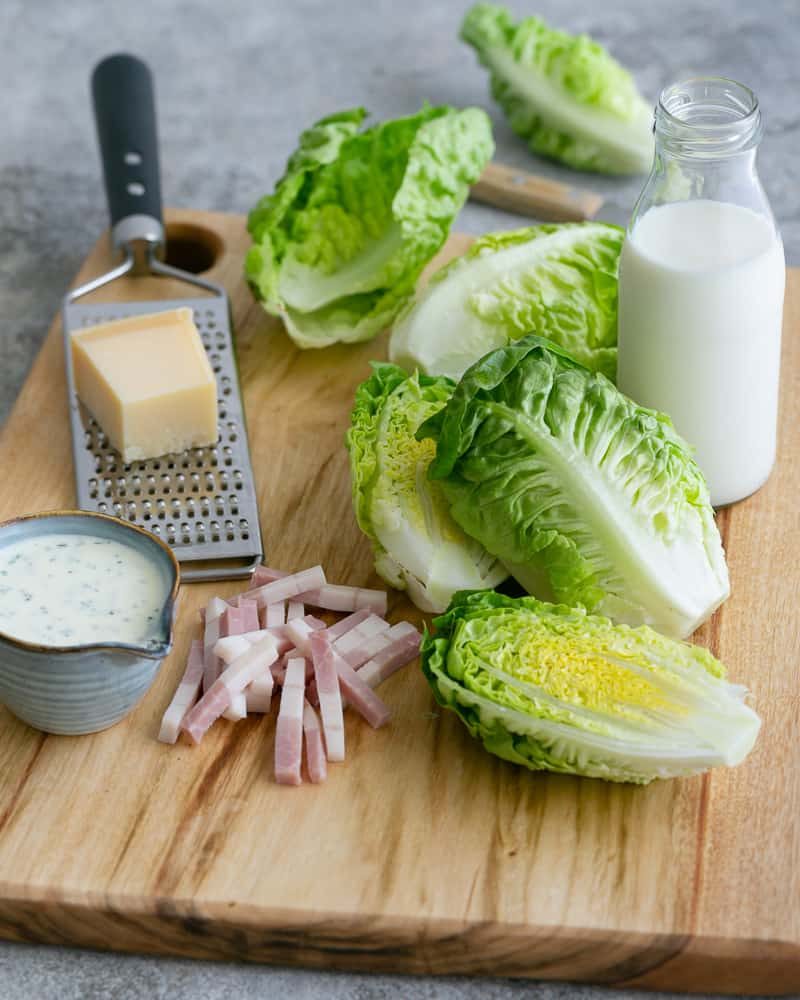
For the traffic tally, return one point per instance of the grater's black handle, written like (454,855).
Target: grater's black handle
(125,114)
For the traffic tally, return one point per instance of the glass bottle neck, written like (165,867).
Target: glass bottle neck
(706,139)
(709,118)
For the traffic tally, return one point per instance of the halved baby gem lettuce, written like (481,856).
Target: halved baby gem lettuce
(559,281)
(555,689)
(585,496)
(565,95)
(418,546)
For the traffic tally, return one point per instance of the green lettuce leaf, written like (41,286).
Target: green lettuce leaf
(417,545)
(339,245)
(559,281)
(564,95)
(555,689)
(565,479)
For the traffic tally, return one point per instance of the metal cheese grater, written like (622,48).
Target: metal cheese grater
(201,501)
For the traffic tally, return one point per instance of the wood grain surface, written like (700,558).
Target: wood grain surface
(421,853)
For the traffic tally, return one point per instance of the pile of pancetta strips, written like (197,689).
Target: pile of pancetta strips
(263,639)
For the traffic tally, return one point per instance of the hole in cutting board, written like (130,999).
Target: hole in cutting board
(192,248)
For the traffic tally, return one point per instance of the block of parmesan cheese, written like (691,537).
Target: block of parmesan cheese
(148,383)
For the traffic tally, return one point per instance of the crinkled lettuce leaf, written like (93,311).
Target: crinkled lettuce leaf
(339,245)
(563,94)
(562,477)
(559,281)
(552,688)
(417,545)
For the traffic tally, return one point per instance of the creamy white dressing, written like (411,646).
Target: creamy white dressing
(68,589)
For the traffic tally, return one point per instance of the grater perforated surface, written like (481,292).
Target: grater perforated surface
(201,501)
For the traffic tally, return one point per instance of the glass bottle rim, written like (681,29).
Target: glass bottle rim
(708,117)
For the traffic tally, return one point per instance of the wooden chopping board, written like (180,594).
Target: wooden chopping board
(421,853)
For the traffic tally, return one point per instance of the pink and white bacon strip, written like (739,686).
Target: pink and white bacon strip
(329,596)
(329,694)
(349,623)
(359,644)
(247,661)
(215,609)
(289,728)
(300,631)
(358,694)
(249,622)
(335,597)
(402,646)
(236,620)
(258,694)
(315,748)
(287,587)
(264,637)
(185,695)
(266,574)
(295,609)
(275,614)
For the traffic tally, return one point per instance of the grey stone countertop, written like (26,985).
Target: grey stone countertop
(236,82)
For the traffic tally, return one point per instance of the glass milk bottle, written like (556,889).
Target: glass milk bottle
(701,286)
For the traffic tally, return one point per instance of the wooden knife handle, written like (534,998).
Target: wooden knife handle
(538,197)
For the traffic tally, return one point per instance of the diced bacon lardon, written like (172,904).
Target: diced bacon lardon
(295,609)
(265,574)
(362,642)
(234,621)
(329,694)
(237,710)
(279,668)
(210,662)
(358,693)
(256,634)
(282,641)
(251,640)
(275,614)
(232,681)
(349,623)
(185,696)
(229,647)
(249,619)
(370,626)
(315,748)
(287,587)
(258,694)
(299,631)
(285,634)
(336,597)
(215,608)
(289,729)
(402,648)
